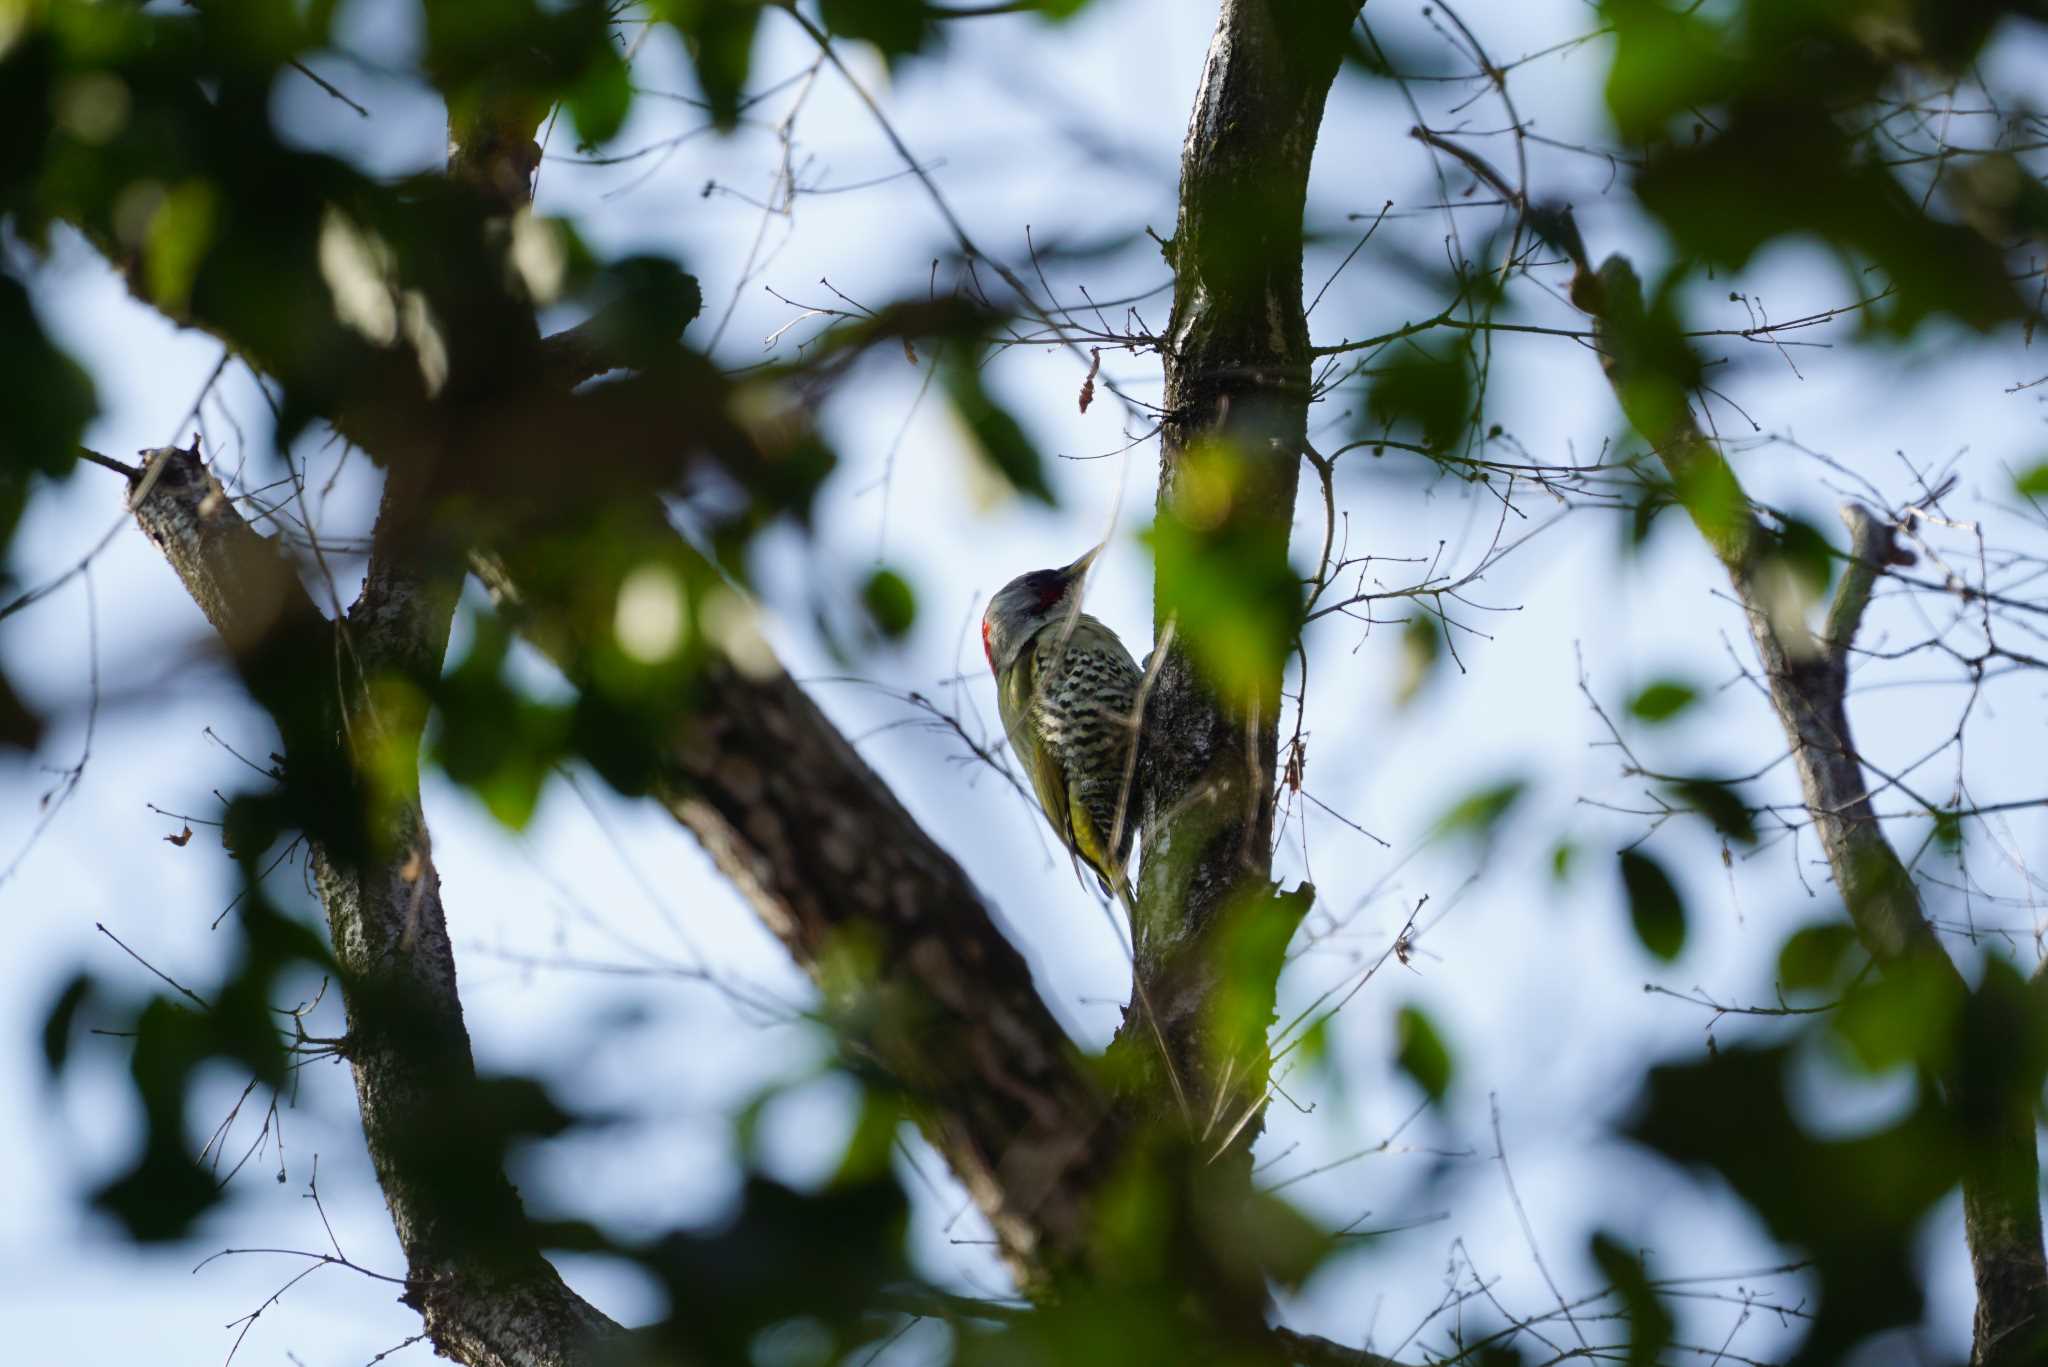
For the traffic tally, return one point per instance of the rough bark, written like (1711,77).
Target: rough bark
(1236,362)
(473,1271)
(1806,675)
(885,919)
(485,1294)
(901,942)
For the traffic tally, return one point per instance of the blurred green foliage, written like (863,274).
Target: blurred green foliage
(1655,908)
(1223,573)
(1426,393)
(1421,1053)
(1662,700)
(1650,1325)
(891,603)
(1747,113)
(149,131)
(993,433)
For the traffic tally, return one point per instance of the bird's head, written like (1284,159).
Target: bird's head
(1027,603)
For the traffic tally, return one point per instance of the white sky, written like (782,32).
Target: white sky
(1538,988)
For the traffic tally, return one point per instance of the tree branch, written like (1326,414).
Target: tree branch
(907,953)
(473,1271)
(1237,382)
(1807,678)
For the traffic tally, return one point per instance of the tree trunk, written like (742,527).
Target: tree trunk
(1806,676)
(1236,361)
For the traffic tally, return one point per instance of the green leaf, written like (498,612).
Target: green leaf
(1421,647)
(1649,1323)
(998,438)
(897,27)
(1807,554)
(1235,597)
(1269,1235)
(1778,166)
(1813,956)
(57,1025)
(50,401)
(891,604)
(180,232)
(1719,803)
(1662,700)
(2032,483)
(1664,61)
(1654,906)
(20,728)
(869,1147)
(1854,1207)
(1429,392)
(1421,1053)
(719,35)
(1478,813)
(496,741)
(1908,1016)
(600,100)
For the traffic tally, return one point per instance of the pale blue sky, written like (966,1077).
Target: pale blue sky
(1538,988)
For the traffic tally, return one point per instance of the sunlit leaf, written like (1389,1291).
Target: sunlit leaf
(1662,700)
(1234,598)
(869,1149)
(1478,813)
(1813,956)
(180,233)
(890,603)
(1907,1015)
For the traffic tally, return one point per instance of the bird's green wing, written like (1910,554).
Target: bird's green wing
(1048,780)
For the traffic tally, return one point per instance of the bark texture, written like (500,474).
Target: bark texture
(1237,388)
(485,1294)
(1806,674)
(909,956)
(912,963)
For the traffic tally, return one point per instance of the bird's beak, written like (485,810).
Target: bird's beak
(1080,567)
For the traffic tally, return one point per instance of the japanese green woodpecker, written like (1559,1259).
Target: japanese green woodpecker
(1068,693)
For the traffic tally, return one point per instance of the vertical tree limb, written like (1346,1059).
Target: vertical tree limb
(473,1271)
(1237,375)
(1806,676)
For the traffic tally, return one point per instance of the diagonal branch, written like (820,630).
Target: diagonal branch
(1807,678)
(909,956)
